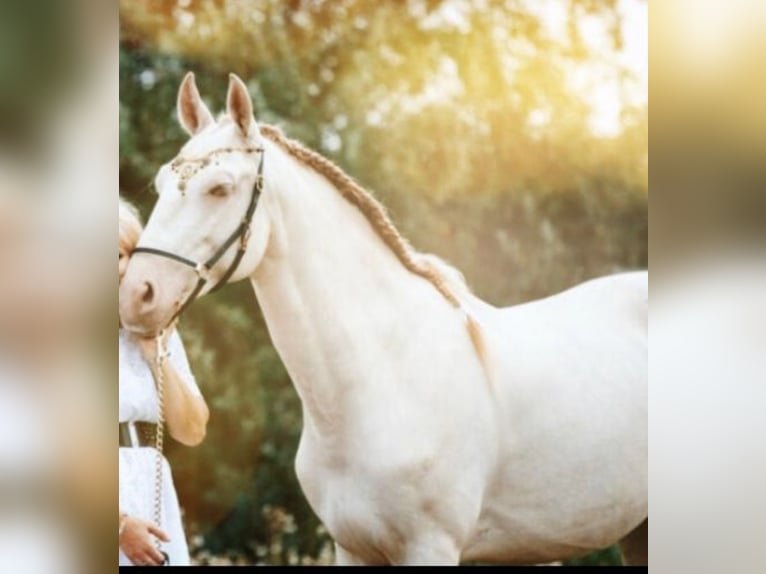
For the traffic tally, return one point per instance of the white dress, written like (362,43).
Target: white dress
(138,402)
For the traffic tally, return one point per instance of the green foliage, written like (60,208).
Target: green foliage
(523,209)
(606,557)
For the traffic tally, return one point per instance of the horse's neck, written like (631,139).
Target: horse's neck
(330,290)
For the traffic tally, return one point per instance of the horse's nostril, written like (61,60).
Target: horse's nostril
(148,295)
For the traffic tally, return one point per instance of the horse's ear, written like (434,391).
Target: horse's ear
(192,111)
(239,104)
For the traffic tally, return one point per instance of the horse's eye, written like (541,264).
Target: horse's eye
(219,191)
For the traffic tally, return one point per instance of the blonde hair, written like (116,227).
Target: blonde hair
(130,226)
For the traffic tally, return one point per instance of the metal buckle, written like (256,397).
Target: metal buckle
(245,236)
(202,270)
(133,433)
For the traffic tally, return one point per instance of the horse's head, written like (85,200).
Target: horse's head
(206,226)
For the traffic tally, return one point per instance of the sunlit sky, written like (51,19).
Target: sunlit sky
(595,79)
(603,93)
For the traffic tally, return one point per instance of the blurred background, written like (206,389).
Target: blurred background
(509,138)
(707,456)
(58,361)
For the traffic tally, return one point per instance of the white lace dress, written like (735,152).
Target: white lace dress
(138,402)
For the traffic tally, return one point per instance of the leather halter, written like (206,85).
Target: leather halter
(241,234)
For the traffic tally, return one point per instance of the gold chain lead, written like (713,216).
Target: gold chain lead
(160,435)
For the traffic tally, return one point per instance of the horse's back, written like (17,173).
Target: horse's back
(622,292)
(617,301)
(627,294)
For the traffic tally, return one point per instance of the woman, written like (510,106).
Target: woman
(186,416)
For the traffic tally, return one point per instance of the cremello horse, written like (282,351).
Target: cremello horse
(436,428)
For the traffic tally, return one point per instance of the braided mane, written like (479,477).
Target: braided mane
(423,265)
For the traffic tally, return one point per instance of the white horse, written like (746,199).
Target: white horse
(436,428)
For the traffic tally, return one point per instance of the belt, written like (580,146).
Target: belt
(137,434)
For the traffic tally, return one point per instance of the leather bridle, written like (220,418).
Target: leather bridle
(241,234)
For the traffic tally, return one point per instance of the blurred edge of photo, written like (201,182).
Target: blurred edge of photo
(58,173)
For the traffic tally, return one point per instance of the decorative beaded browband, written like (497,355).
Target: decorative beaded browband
(187,168)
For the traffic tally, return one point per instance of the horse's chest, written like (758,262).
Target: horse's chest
(345,508)
(353,502)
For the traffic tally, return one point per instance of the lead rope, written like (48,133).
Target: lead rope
(159,437)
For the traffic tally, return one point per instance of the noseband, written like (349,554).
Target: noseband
(241,233)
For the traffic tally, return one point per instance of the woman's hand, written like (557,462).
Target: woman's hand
(136,542)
